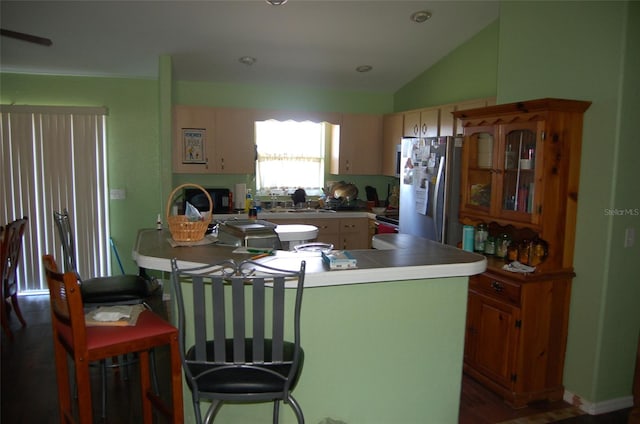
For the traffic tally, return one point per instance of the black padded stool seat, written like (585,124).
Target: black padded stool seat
(115,289)
(256,378)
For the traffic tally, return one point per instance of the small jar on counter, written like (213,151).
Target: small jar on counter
(502,245)
(490,246)
(524,249)
(512,252)
(482,233)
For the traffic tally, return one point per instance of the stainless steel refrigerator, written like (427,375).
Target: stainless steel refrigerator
(430,188)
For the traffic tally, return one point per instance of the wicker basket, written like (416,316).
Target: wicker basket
(181,228)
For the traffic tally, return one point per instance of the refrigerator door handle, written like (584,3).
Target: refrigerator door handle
(434,204)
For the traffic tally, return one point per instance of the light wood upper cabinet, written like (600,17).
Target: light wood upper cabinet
(198,118)
(392,128)
(447,122)
(411,127)
(235,142)
(421,123)
(358,149)
(229,140)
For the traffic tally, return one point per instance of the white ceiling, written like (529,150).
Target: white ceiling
(316,43)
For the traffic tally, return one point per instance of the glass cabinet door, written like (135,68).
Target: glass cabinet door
(518,162)
(480,168)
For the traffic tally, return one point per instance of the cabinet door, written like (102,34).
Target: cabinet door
(354,233)
(202,120)
(411,126)
(328,230)
(359,149)
(392,126)
(520,160)
(235,142)
(479,167)
(421,123)
(446,121)
(494,328)
(429,122)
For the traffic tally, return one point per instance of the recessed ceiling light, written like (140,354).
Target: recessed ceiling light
(420,16)
(276,2)
(247,60)
(364,68)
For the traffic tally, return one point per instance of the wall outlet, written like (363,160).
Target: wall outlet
(629,237)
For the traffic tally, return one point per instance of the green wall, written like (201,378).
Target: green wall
(280,97)
(540,50)
(469,72)
(618,341)
(588,59)
(132,137)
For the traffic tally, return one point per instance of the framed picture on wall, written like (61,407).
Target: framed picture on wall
(193,145)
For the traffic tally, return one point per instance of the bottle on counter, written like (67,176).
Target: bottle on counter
(248,201)
(490,246)
(524,250)
(482,232)
(468,238)
(159,223)
(502,245)
(253,210)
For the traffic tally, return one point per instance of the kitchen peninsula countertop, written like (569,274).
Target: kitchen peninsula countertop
(421,259)
(406,328)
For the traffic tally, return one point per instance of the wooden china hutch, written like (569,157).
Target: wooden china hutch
(520,172)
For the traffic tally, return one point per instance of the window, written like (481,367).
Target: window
(54,158)
(290,156)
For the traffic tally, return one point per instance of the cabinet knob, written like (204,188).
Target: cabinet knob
(497,287)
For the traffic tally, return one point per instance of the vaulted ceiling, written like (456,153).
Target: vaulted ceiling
(317,43)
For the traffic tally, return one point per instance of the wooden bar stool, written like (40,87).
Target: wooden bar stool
(87,344)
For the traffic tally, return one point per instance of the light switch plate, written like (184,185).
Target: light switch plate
(629,237)
(117,194)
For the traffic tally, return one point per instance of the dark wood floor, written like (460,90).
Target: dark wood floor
(29,384)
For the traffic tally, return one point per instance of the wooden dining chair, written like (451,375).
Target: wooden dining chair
(72,338)
(253,313)
(10,249)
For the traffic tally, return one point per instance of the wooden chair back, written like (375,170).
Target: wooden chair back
(67,308)
(10,255)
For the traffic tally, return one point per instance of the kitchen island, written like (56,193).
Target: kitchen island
(383,343)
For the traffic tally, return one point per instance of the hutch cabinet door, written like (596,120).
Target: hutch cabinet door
(519,172)
(495,331)
(479,165)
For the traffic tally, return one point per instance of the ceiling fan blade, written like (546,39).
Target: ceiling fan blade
(26,37)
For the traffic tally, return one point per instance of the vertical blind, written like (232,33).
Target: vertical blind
(53,158)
